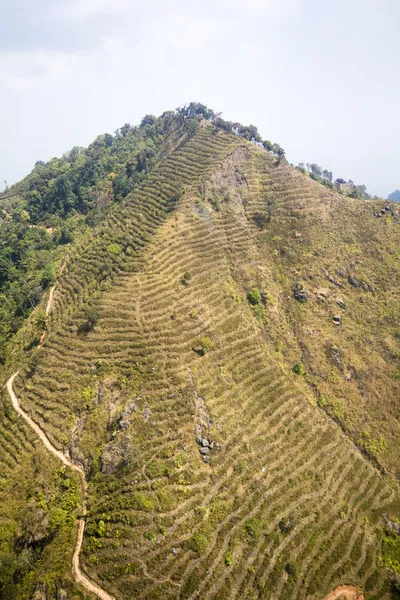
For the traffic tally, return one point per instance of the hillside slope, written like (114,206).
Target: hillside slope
(222,359)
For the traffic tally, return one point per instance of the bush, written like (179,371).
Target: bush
(186,278)
(291,569)
(253,528)
(299,369)
(91,316)
(287,524)
(228,559)
(254,297)
(114,249)
(199,543)
(203,345)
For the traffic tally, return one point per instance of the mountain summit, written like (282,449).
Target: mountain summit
(216,373)
(395,196)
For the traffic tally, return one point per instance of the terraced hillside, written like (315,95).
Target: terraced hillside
(214,471)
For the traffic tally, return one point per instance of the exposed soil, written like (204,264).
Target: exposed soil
(345,592)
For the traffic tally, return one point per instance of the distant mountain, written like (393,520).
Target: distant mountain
(395,196)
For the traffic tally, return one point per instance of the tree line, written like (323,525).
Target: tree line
(325,177)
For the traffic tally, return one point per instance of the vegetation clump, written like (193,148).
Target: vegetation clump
(199,543)
(253,528)
(254,297)
(228,559)
(203,345)
(299,368)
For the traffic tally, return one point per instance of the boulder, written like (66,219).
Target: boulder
(340,302)
(300,293)
(335,357)
(353,281)
(322,293)
(115,455)
(337,319)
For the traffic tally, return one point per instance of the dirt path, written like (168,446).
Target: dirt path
(79,576)
(345,592)
(50,301)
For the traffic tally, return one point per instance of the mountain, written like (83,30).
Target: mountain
(395,196)
(212,401)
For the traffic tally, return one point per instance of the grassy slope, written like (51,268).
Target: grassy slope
(288,505)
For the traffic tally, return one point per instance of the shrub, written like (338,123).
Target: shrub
(203,345)
(254,297)
(199,543)
(114,249)
(253,528)
(228,559)
(91,316)
(287,524)
(186,278)
(299,369)
(291,569)
(375,447)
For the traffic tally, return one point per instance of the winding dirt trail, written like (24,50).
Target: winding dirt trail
(50,301)
(79,576)
(76,570)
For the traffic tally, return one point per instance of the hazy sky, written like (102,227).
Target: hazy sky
(320,77)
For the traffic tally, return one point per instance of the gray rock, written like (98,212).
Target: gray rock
(353,281)
(146,414)
(342,273)
(335,357)
(206,459)
(115,454)
(204,451)
(300,293)
(340,302)
(205,442)
(337,319)
(100,394)
(392,526)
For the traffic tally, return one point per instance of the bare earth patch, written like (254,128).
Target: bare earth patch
(345,592)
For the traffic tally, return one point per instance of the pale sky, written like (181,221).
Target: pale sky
(320,77)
